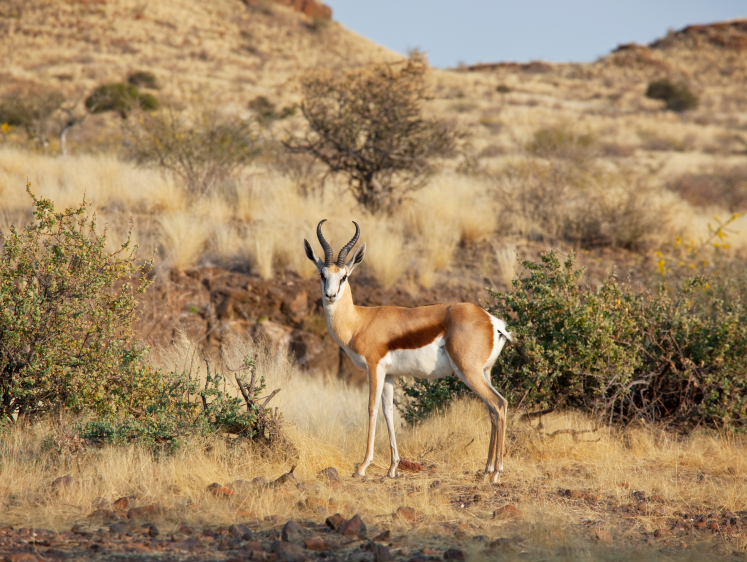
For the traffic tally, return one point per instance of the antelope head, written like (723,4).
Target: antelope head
(334,275)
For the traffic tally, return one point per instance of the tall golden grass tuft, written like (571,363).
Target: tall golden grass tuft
(183,236)
(505,256)
(386,258)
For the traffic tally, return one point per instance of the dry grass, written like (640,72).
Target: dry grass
(506,258)
(259,224)
(700,474)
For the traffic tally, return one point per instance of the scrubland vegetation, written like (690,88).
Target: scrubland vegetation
(600,203)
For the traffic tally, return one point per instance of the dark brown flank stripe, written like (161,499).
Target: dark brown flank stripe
(417,339)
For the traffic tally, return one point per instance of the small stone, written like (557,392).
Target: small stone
(240,531)
(21,557)
(317,544)
(185,529)
(383,536)
(117,529)
(123,504)
(409,466)
(477,498)
(213,486)
(639,495)
(453,554)
(604,536)
(713,527)
(153,531)
(334,521)
(288,552)
(354,527)
(292,533)
(187,544)
(407,513)
(253,546)
(221,492)
(66,481)
(330,473)
(105,514)
(241,486)
(573,494)
(145,511)
(381,553)
(507,512)
(661,533)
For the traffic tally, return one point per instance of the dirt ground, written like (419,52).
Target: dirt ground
(484,525)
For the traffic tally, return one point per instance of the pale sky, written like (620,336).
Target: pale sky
(472,31)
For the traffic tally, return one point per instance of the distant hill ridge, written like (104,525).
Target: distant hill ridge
(226,51)
(728,35)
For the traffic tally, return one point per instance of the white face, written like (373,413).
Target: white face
(334,279)
(334,282)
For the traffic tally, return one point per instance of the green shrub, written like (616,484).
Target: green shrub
(67,308)
(678,97)
(182,408)
(267,112)
(143,79)
(673,356)
(121,97)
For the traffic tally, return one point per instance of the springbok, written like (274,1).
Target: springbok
(427,342)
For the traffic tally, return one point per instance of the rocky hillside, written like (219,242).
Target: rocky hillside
(223,52)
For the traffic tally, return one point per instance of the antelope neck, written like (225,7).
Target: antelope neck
(342,318)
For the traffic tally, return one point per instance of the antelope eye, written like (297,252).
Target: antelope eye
(343,278)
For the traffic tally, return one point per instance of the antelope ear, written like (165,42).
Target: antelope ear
(357,258)
(311,255)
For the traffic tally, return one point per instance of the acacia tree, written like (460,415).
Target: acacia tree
(369,125)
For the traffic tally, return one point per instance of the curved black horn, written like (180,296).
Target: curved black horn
(328,254)
(347,247)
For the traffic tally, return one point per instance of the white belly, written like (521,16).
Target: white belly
(429,362)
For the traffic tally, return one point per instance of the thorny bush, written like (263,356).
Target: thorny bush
(182,407)
(67,308)
(202,151)
(673,356)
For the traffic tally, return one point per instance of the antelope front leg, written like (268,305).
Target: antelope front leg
(376,378)
(387,406)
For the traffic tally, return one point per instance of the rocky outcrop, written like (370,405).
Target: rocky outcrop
(311,8)
(727,34)
(213,305)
